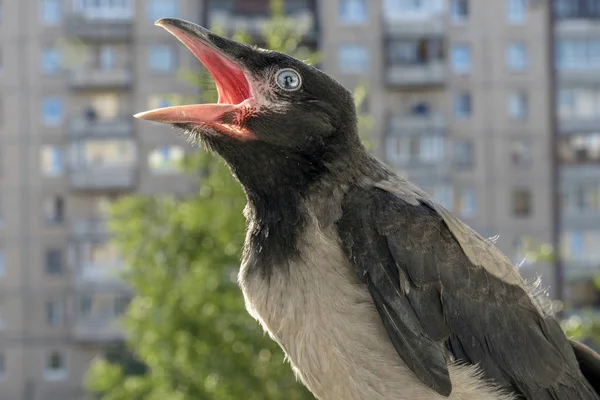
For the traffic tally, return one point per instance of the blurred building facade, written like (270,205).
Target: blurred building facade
(458,93)
(72,74)
(577,39)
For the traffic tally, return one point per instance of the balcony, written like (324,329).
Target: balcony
(411,75)
(575,173)
(417,124)
(96,27)
(577,76)
(118,78)
(577,125)
(416,145)
(576,270)
(421,26)
(575,9)
(254,24)
(90,230)
(81,127)
(98,329)
(90,178)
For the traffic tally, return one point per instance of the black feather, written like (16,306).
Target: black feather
(433,299)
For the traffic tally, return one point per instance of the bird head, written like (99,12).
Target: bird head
(278,121)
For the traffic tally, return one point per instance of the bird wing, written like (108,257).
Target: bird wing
(446,294)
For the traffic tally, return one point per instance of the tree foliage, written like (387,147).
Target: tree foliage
(187,323)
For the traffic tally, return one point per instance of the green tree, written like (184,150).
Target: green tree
(187,323)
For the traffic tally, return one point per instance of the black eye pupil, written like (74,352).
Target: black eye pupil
(288,80)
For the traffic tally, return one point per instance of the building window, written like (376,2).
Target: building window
(459,10)
(581,103)
(104,9)
(444,194)
(121,304)
(353,11)
(581,198)
(463,153)
(51,64)
(160,101)
(54,210)
(583,9)
(52,111)
(158,9)
(51,12)
(579,148)
(518,105)
(162,58)
(465,202)
(461,58)
(521,202)
(107,57)
(52,161)
(463,108)
(54,262)
(415,52)
(516,11)
(578,53)
(516,56)
(353,59)
(432,149)
(55,312)
(55,368)
(426,149)
(166,160)
(521,152)
(98,154)
(581,246)
(2,264)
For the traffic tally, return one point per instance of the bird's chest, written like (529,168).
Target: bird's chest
(325,321)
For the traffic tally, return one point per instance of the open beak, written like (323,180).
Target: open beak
(221,58)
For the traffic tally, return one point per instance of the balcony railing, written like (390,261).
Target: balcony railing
(90,26)
(101,178)
(81,127)
(86,229)
(568,75)
(578,125)
(98,329)
(93,78)
(429,25)
(577,9)
(410,75)
(431,123)
(253,24)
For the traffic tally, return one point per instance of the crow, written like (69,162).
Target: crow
(372,289)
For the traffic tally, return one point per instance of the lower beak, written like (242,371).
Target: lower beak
(221,57)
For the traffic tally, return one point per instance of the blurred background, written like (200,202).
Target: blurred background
(119,241)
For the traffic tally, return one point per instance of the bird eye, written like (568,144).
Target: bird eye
(288,79)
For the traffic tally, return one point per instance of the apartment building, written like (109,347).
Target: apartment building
(72,73)
(577,38)
(458,91)
(458,95)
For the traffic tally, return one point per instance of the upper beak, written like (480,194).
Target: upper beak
(224,60)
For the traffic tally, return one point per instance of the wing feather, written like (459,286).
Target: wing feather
(441,288)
